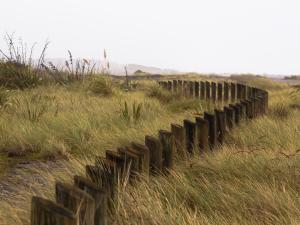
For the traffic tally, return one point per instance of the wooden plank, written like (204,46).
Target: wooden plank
(77,201)
(202,131)
(46,212)
(190,136)
(197,89)
(202,90)
(221,125)
(207,90)
(214,91)
(98,194)
(233,92)
(167,141)
(220,92)
(179,140)
(155,149)
(212,129)
(145,156)
(226,91)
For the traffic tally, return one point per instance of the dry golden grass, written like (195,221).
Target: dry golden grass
(252,179)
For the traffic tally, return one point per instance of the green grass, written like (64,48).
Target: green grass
(252,179)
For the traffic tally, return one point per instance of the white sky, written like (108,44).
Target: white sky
(259,36)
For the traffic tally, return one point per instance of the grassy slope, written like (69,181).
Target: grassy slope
(253,179)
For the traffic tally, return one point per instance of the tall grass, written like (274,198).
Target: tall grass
(252,179)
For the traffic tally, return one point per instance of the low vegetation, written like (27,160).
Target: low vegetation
(252,179)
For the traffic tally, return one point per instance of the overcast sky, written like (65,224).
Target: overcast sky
(258,36)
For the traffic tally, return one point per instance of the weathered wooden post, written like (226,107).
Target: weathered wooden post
(207,89)
(185,88)
(175,85)
(77,201)
(197,89)
(202,128)
(237,113)
(191,89)
(220,92)
(99,196)
(233,92)
(212,129)
(145,156)
(180,86)
(242,110)
(167,141)
(202,90)
(214,91)
(244,91)
(221,125)
(155,149)
(247,108)
(45,212)
(132,162)
(229,115)
(190,136)
(119,161)
(239,91)
(169,86)
(179,139)
(226,91)
(249,92)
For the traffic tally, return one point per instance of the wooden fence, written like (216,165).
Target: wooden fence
(90,200)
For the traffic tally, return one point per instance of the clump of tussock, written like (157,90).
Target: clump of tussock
(280,110)
(4,96)
(17,68)
(100,86)
(155,91)
(133,114)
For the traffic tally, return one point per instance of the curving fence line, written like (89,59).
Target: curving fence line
(91,200)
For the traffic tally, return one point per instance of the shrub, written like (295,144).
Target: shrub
(133,115)
(101,86)
(162,95)
(280,111)
(15,75)
(3,96)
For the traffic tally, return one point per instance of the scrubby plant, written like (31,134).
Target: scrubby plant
(162,95)
(101,86)
(280,110)
(3,96)
(132,115)
(17,69)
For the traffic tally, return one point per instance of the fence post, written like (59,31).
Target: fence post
(207,89)
(237,113)
(99,196)
(185,88)
(167,141)
(180,86)
(197,89)
(169,86)
(145,156)
(190,136)
(233,92)
(229,115)
(242,110)
(191,89)
(77,201)
(239,91)
(202,127)
(43,211)
(155,149)
(175,84)
(220,92)
(244,91)
(202,90)
(132,162)
(212,128)
(179,139)
(214,91)
(220,115)
(226,91)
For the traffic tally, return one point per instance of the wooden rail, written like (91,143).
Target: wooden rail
(91,200)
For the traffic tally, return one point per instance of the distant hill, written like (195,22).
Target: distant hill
(117,68)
